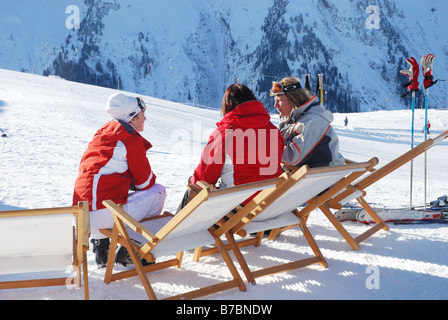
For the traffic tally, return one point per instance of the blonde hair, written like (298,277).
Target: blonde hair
(298,96)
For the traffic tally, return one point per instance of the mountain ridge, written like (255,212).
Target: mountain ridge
(191,52)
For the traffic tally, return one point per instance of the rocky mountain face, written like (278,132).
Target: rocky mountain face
(190,51)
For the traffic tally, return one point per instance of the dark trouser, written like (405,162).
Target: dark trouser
(184,201)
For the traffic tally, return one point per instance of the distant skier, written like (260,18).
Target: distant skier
(345,121)
(428,125)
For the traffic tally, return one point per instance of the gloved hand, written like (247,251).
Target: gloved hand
(427,62)
(412,73)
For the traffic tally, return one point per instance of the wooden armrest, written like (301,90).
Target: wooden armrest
(129,220)
(348,161)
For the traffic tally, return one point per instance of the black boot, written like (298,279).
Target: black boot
(101,251)
(123,258)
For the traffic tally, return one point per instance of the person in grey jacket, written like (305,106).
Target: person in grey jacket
(306,127)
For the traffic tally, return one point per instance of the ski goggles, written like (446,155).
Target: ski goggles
(279,89)
(140,104)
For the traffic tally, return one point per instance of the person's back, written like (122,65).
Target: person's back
(114,161)
(104,170)
(245,147)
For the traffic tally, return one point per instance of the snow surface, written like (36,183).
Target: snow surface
(49,121)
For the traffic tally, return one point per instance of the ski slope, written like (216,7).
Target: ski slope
(49,121)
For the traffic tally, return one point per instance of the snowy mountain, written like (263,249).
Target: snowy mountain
(190,51)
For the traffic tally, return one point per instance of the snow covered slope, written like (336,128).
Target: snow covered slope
(49,121)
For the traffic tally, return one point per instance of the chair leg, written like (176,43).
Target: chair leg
(135,260)
(239,257)
(259,238)
(111,257)
(179,257)
(372,213)
(139,268)
(85,273)
(312,243)
(274,233)
(197,254)
(225,255)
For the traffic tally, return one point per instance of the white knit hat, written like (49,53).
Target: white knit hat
(122,107)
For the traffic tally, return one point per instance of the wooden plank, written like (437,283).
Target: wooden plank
(130,221)
(205,291)
(286,267)
(326,211)
(38,212)
(33,283)
(370,232)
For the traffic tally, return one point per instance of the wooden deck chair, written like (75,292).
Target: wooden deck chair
(36,241)
(275,208)
(169,235)
(357,191)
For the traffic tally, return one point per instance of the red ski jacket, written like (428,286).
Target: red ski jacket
(115,158)
(245,147)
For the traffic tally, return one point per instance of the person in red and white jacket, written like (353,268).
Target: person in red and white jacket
(115,162)
(245,147)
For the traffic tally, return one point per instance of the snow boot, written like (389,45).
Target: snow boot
(101,251)
(124,259)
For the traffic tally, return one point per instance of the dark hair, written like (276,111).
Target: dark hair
(235,95)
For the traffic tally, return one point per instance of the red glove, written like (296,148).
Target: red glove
(412,73)
(427,62)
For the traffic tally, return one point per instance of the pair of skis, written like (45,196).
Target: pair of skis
(436,213)
(397,216)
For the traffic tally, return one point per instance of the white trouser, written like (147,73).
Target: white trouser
(140,205)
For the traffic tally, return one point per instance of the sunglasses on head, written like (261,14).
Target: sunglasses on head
(279,89)
(141,104)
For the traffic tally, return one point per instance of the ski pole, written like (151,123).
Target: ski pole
(307,82)
(426,114)
(412,86)
(321,87)
(427,67)
(412,147)
(426,137)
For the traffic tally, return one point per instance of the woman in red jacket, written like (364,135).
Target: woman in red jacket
(115,162)
(245,147)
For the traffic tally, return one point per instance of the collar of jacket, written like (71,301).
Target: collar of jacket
(127,126)
(250,114)
(131,130)
(298,112)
